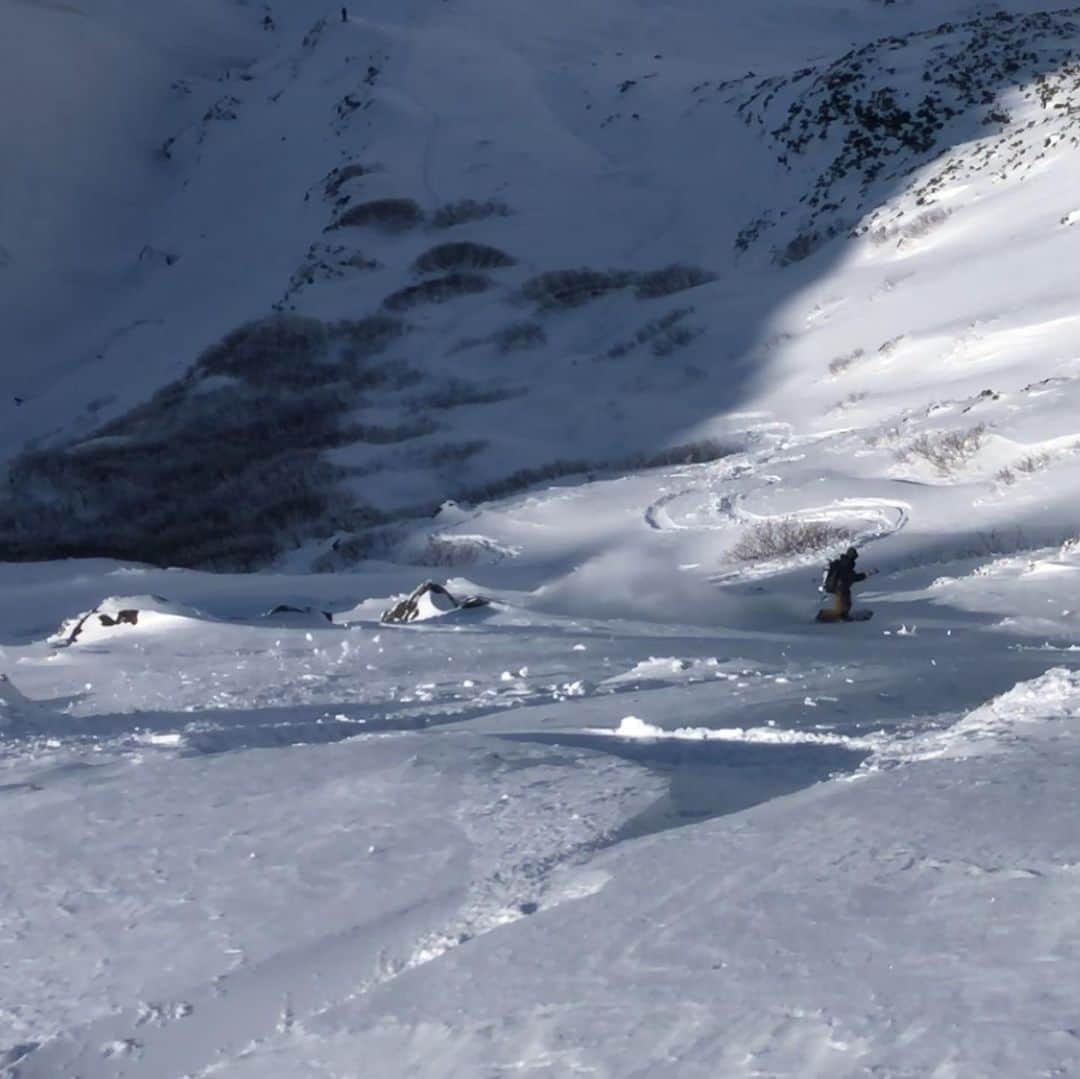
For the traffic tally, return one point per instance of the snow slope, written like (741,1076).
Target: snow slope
(401,186)
(638,816)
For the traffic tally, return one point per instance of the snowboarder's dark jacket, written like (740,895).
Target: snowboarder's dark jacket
(845,575)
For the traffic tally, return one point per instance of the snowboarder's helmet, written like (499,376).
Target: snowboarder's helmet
(851,553)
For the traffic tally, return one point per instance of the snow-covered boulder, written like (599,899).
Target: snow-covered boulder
(429,600)
(122,614)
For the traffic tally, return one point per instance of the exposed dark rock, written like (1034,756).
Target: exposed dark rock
(123,618)
(429,600)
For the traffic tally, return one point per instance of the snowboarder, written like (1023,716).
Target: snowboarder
(839,577)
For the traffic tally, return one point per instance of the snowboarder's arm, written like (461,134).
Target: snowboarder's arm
(856,577)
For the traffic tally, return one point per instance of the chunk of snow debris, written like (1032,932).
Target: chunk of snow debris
(152,739)
(120,1047)
(523,672)
(633,727)
(903,631)
(579,648)
(468,683)
(506,676)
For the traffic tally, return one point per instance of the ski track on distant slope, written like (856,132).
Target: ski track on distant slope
(714,510)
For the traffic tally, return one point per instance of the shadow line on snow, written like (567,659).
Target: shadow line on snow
(710,779)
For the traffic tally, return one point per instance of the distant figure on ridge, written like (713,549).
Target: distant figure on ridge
(839,577)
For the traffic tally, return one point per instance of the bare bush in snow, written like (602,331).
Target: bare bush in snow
(574,288)
(686,453)
(451,551)
(946,451)
(667,326)
(784,537)
(461,256)
(1034,462)
(671,279)
(674,338)
(457,392)
(437,290)
(340,176)
(519,336)
(915,229)
(1026,466)
(850,401)
(464,210)
(390,215)
(839,364)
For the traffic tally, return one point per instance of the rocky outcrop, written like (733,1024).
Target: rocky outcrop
(429,600)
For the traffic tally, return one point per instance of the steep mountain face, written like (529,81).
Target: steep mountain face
(400,255)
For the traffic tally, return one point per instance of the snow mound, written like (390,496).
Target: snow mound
(1044,709)
(124,614)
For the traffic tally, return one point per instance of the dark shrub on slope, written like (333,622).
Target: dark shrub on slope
(452,214)
(573,288)
(221,468)
(391,215)
(438,290)
(461,256)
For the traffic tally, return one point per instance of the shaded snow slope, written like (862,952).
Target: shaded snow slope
(499,257)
